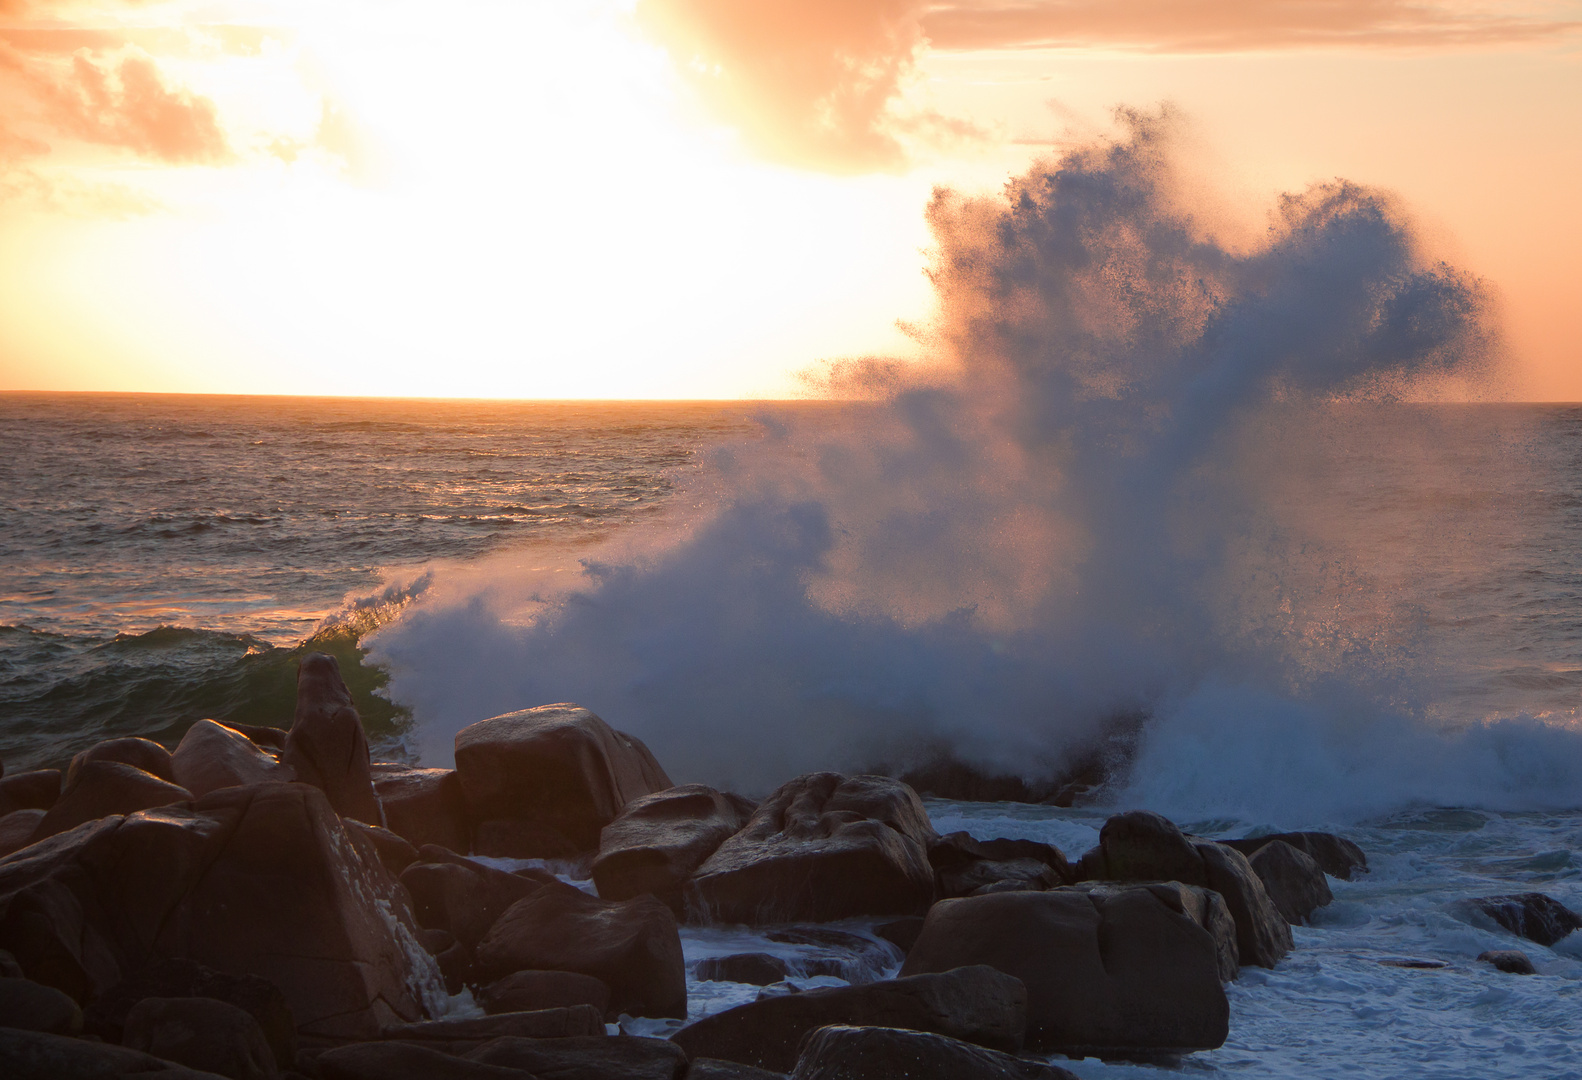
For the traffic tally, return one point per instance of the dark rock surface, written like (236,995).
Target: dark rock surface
(659,840)
(463,1035)
(632,946)
(1532,915)
(1337,856)
(1511,961)
(977,1004)
(34,790)
(142,754)
(424,806)
(963,865)
(516,838)
(203,1034)
(1105,972)
(17,829)
(406,1061)
(902,933)
(38,1055)
(846,955)
(526,991)
(326,746)
(557,765)
(822,847)
(100,788)
(211,757)
(715,1069)
(1292,879)
(461,896)
(1203,906)
(839,1052)
(32,1006)
(395,852)
(599,1057)
(754,969)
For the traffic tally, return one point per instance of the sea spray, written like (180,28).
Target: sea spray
(1108,493)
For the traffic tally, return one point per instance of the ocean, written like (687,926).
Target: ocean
(167,558)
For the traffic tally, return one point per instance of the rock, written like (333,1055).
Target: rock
(17,829)
(1294,882)
(1006,849)
(599,1057)
(260,879)
(1144,846)
(258,997)
(1203,906)
(823,847)
(514,838)
(142,754)
(31,1006)
(849,956)
(1112,973)
(211,757)
(633,946)
(424,806)
(1337,856)
(754,969)
(659,840)
(462,896)
(326,745)
(902,933)
(38,1055)
(526,991)
(1511,961)
(977,1004)
(394,851)
(272,739)
(839,1052)
(715,1069)
(461,1036)
(1533,915)
(100,788)
(201,1033)
(557,765)
(963,865)
(406,1061)
(35,790)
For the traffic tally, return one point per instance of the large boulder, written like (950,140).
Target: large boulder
(597,1057)
(1337,856)
(556,765)
(1117,973)
(212,756)
(32,1006)
(1292,879)
(38,1055)
(35,790)
(143,754)
(406,1061)
(977,1004)
(423,805)
(1203,906)
(1532,915)
(963,865)
(839,1052)
(213,1036)
(17,829)
(97,789)
(464,1034)
(462,896)
(262,880)
(822,847)
(1143,846)
(326,745)
(632,946)
(527,991)
(659,840)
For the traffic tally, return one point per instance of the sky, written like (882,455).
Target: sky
(698,198)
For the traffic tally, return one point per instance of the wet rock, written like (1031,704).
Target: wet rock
(272,739)
(462,896)
(848,956)
(464,1035)
(822,847)
(1115,973)
(394,851)
(977,1004)
(659,840)
(1203,906)
(142,754)
(17,829)
(211,757)
(715,1069)
(1144,846)
(35,790)
(1532,915)
(839,1052)
(515,838)
(527,991)
(201,1033)
(178,978)
(1292,879)
(600,1057)
(424,806)
(100,788)
(31,1006)
(1337,856)
(963,865)
(38,1055)
(557,765)
(754,969)
(632,946)
(1511,961)
(326,745)
(902,933)
(406,1061)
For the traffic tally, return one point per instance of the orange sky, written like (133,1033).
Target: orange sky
(694,198)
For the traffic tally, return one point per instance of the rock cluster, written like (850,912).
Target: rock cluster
(264,904)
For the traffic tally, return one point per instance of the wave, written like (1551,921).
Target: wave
(1145,472)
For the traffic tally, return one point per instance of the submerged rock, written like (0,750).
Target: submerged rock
(1532,915)
(1511,961)
(754,969)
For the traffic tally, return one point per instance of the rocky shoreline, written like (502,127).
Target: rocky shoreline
(261,903)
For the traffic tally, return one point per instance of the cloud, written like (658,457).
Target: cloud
(823,83)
